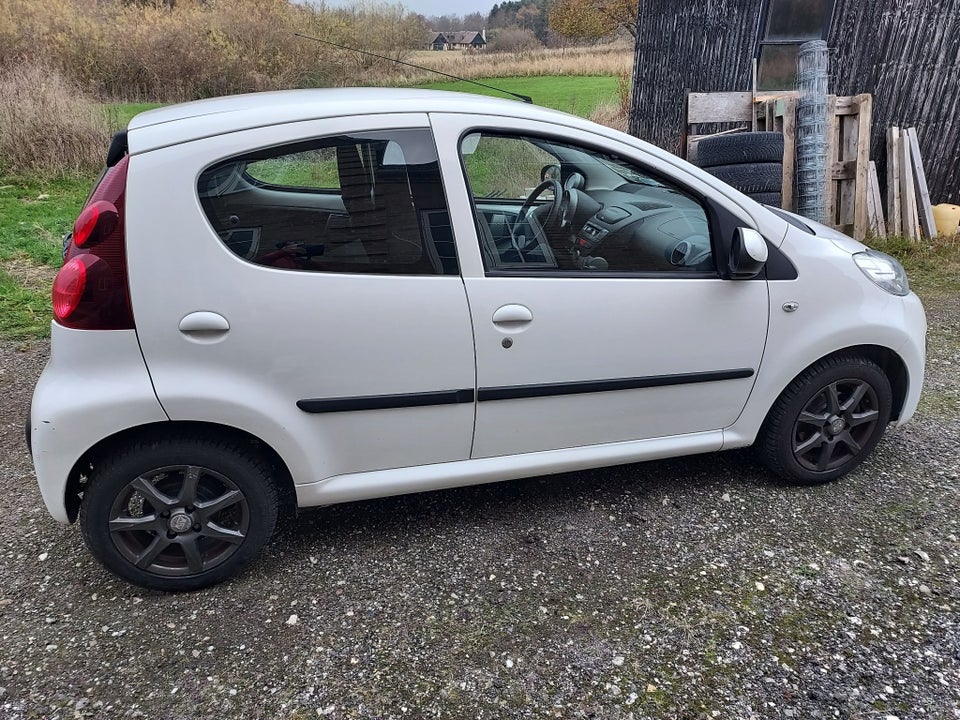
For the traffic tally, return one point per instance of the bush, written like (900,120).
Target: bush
(199,48)
(512,39)
(47,126)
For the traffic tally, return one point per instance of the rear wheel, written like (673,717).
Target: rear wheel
(827,421)
(179,514)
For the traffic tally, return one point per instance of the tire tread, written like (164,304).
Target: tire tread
(768,446)
(112,467)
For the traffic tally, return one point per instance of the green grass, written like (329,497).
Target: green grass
(36,215)
(23,313)
(120,114)
(579,95)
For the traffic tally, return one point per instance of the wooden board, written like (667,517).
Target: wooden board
(875,219)
(719,107)
(789,131)
(833,154)
(924,208)
(893,181)
(865,111)
(908,198)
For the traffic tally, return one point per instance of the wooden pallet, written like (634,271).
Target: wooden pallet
(848,147)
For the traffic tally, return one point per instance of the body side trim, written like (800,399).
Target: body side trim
(386,402)
(511,392)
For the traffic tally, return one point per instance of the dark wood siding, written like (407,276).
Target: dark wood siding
(907,54)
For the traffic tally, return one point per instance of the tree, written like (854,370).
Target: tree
(593,19)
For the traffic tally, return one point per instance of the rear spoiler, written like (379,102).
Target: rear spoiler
(118,148)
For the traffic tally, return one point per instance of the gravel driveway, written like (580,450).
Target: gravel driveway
(679,589)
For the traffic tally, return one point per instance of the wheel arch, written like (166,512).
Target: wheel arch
(886,359)
(173,429)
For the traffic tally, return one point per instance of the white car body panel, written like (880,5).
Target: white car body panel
(365,486)
(94,385)
(297,335)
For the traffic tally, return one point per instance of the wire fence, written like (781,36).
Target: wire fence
(812,83)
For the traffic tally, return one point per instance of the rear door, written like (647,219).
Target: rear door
(299,282)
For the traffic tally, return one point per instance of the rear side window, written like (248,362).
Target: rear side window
(369,202)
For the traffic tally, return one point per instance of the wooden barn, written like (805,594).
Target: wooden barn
(906,54)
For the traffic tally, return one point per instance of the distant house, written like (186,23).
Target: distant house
(458,40)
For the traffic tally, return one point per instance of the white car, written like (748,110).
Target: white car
(320,296)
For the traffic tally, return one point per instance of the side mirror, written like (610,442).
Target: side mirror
(748,253)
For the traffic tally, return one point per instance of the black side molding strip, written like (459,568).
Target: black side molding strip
(513,392)
(386,402)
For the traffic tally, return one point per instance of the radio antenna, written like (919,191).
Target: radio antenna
(525,98)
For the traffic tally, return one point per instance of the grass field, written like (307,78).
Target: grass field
(579,95)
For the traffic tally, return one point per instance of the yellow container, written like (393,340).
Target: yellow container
(946,217)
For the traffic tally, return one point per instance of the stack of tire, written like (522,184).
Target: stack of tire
(751,162)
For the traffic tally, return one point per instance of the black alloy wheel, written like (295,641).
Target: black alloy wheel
(179,514)
(827,420)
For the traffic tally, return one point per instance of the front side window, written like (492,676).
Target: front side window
(369,202)
(545,206)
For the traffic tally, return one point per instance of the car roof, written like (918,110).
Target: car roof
(205,118)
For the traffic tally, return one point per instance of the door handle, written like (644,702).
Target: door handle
(204,322)
(512,317)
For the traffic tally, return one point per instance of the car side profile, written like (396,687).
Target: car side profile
(314,297)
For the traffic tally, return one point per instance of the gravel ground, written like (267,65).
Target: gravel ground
(692,588)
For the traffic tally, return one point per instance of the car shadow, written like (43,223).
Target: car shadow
(529,501)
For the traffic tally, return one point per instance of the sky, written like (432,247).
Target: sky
(434,7)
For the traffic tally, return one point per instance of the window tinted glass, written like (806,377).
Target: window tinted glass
(609,215)
(310,169)
(797,19)
(365,203)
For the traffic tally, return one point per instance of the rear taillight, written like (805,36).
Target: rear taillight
(91,291)
(96,221)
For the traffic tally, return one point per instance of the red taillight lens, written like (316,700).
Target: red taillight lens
(68,288)
(96,222)
(91,290)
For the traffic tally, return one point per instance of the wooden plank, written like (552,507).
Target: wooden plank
(789,152)
(846,186)
(847,105)
(874,206)
(865,105)
(833,154)
(908,198)
(719,107)
(893,181)
(924,208)
(844,170)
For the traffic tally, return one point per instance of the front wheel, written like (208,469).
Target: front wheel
(827,421)
(179,514)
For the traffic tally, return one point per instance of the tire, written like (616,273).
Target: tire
(826,421)
(751,178)
(140,519)
(739,148)
(768,198)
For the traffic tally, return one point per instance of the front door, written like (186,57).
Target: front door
(600,317)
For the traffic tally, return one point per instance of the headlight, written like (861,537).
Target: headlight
(884,271)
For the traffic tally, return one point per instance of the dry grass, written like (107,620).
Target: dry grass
(47,126)
(135,51)
(121,50)
(616,113)
(615,59)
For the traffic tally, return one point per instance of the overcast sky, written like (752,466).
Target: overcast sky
(435,7)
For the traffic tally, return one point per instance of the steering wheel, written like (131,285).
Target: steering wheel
(554,207)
